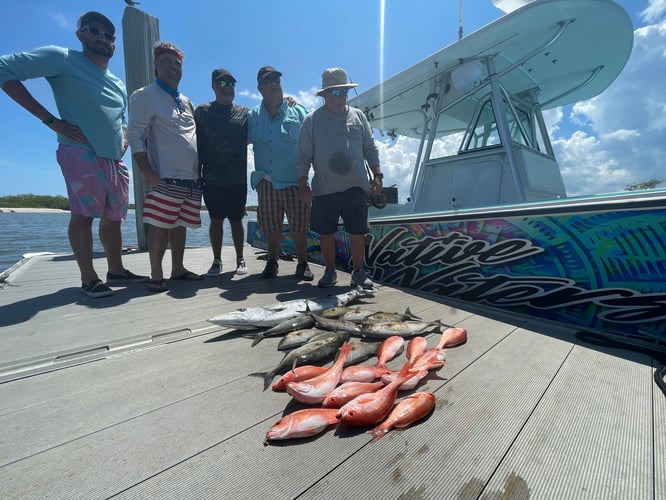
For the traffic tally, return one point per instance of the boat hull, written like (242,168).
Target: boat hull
(596,264)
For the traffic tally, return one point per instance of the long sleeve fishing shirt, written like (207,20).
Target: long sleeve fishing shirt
(92,98)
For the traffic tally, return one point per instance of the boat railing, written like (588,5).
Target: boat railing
(583,84)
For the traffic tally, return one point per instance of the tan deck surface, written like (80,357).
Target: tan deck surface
(139,396)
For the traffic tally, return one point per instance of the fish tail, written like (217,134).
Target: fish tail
(378,433)
(410,314)
(267,376)
(257,338)
(406,370)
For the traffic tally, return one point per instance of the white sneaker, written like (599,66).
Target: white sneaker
(215,269)
(241,268)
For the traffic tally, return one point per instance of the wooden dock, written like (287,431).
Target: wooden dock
(139,396)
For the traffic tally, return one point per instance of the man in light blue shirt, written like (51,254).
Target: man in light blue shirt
(273,128)
(92,105)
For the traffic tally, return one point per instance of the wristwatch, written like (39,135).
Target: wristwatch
(380,175)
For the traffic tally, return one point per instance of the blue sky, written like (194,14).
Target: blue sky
(602,144)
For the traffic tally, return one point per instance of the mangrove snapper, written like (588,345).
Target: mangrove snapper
(297,338)
(289,325)
(384,317)
(362,351)
(336,325)
(407,328)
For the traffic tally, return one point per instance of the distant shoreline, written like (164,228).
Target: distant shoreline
(32,210)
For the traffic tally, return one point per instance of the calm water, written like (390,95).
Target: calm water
(22,233)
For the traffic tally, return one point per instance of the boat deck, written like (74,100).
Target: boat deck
(139,396)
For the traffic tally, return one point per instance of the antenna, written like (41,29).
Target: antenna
(460,23)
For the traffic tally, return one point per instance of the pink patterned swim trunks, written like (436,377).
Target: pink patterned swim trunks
(96,187)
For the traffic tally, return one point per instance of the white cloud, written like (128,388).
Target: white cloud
(623,140)
(61,20)
(655,11)
(621,132)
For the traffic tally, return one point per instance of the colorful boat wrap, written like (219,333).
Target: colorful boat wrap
(598,270)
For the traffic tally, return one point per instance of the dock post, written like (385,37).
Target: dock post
(140,32)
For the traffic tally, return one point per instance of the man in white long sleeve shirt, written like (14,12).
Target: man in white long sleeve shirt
(162,135)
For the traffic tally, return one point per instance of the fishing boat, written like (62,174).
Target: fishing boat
(492,225)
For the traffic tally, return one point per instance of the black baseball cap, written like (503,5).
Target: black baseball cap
(95,17)
(221,72)
(267,71)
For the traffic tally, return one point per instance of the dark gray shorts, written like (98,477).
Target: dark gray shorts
(225,202)
(350,205)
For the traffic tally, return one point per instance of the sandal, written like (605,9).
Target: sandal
(157,286)
(187,276)
(96,288)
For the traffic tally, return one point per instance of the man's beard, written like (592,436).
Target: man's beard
(100,49)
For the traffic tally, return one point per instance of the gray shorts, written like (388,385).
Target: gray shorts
(351,205)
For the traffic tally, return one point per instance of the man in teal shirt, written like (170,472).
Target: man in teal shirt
(273,128)
(92,105)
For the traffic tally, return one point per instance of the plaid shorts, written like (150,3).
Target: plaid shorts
(275,203)
(96,187)
(174,202)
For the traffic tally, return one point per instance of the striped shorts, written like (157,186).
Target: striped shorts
(174,202)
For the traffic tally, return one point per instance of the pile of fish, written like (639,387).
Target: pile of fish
(350,393)
(314,331)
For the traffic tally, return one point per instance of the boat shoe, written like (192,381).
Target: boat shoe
(127,277)
(96,288)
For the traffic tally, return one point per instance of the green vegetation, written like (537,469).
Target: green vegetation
(651,184)
(58,202)
(34,201)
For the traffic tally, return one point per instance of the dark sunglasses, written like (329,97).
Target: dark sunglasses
(97,33)
(339,92)
(270,79)
(225,83)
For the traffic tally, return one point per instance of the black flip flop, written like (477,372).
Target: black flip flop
(187,276)
(157,286)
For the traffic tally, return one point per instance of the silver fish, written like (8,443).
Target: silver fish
(321,349)
(361,351)
(336,325)
(336,312)
(384,317)
(297,338)
(356,316)
(271,315)
(289,325)
(401,328)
